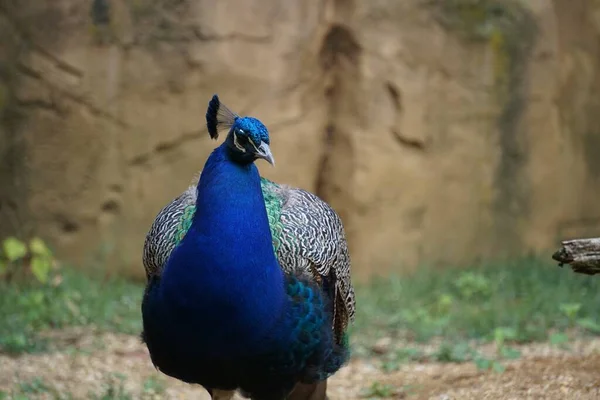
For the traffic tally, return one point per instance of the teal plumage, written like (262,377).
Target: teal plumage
(248,281)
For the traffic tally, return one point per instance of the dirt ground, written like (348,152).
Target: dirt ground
(88,363)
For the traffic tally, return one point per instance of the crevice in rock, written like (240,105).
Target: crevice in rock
(111,206)
(339,49)
(67,225)
(339,57)
(512,200)
(164,147)
(77,98)
(395,95)
(405,141)
(37,105)
(509,29)
(116,188)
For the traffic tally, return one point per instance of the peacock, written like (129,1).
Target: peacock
(248,281)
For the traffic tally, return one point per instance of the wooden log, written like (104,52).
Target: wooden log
(583,255)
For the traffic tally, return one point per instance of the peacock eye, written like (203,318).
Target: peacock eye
(242,138)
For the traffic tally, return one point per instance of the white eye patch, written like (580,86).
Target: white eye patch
(237,144)
(253,145)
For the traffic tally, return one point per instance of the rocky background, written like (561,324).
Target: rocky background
(442,131)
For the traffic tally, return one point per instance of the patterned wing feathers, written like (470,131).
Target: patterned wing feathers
(312,241)
(167,230)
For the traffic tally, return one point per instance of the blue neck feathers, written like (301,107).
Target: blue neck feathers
(225,271)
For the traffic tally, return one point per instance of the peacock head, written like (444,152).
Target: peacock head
(248,138)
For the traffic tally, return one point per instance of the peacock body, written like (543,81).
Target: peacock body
(248,281)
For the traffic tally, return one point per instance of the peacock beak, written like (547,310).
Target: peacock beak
(264,152)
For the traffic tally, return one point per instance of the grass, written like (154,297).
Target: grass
(113,389)
(79,300)
(520,301)
(525,300)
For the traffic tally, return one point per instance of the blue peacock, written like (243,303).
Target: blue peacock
(248,281)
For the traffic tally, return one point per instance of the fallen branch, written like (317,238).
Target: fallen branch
(583,255)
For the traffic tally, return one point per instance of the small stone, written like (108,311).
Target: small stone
(382,346)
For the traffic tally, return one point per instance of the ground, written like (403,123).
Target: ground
(520,329)
(117,366)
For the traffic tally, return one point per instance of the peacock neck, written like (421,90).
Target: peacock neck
(230,205)
(225,269)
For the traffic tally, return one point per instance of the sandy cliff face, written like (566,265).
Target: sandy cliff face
(440,131)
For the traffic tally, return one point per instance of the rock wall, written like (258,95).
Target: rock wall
(443,132)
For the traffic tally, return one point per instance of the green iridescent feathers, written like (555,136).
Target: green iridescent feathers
(184,223)
(272,203)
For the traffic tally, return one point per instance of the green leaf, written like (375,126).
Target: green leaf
(443,305)
(459,352)
(497,367)
(510,353)
(570,309)
(2,267)
(390,366)
(14,249)
(37,297)
(585,323)
(40,267)
(483,363)
(558,339)
(503,334)
(378,389)
(38,247)
(409,354)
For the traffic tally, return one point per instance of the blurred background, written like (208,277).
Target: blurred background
(457,139)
